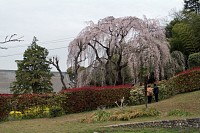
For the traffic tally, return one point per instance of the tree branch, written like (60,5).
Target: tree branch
(96,52)
(55,62)
(100,44)
(10,39)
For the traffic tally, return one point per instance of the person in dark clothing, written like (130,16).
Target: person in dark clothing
(155,92)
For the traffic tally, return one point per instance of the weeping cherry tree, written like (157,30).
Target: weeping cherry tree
(116,43)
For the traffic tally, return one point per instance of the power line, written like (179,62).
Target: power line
(57,48)
(68,38)
(45,42)
(10,55)
(21,53)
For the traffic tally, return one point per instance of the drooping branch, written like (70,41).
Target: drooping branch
(77,55)
(96,52)
(113,42)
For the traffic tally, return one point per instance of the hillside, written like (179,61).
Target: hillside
(189,102)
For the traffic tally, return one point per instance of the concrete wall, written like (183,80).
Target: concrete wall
(8,76)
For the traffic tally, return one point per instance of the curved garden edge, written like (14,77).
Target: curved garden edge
(180,123)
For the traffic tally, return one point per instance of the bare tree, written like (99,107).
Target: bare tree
(11,38)
(55,62)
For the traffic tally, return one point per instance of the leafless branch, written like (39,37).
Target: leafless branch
(12,38)
(55,62)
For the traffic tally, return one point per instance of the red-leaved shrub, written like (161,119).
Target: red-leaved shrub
(71,100)
(189,70)
(185,81)
(90,98)
(4,105)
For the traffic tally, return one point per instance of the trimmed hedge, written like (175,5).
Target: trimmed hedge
(25,102)
(85,99)
(194,60)
(4,105)
(71,100)
(185,81)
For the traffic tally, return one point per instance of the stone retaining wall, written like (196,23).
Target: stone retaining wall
(192,123)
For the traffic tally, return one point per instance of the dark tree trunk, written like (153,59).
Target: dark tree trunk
(55,62)
(145,89)
(108,75)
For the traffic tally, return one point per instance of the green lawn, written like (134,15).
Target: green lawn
(189,102)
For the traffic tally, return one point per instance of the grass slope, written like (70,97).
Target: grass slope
(189,102)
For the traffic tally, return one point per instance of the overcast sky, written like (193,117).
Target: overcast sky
(56,22)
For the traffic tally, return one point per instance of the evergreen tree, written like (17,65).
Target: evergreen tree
(33,74)
(192,6)
(183,33)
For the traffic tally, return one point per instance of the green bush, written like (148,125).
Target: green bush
(101,115)
(55,111)
(185,81)
(131,114)
(178,112)
(194,60)
(30,105)
(137,95)
(166,89)
(149,112)
(15,115)
(36,112)
(121,115)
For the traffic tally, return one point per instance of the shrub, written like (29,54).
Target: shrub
(166,89)
(178,112)
(30,105)
(30,101)
(36,112)
(121,115)
(184,82)
(4,106)
(15,115)
(131,114)
(90,98)
(137,95)
(55,111)
(194,60)
(101,115)
(149,112)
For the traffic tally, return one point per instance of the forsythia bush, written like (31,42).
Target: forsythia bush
(30,105)
(15,115)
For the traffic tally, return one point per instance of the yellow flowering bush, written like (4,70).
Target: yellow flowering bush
(15,115)
(36,112)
